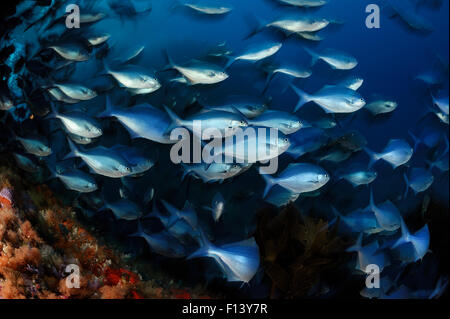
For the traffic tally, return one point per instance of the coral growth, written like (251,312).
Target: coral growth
(39,238)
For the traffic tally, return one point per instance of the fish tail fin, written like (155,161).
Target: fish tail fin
(53,112)
(176,121)
(433,99)
(186,173)
(255,24)
(148,196)
(267,83)
(134,55)
(303,97)
(336,213)
(415,139)
(405,235)
(108,108)
(205,246)
(170,64)
(314,56)
(53,173)
(372,201)
(374,157)
(171,209)
(73,150)
(430,164)
(270,182)
(405,177)
(230,61)
(140,230)
(357,246)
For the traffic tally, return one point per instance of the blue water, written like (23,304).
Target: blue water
(389,60)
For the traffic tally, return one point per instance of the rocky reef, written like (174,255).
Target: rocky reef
(39,237)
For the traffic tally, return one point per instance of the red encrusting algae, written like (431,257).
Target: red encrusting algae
(39,238)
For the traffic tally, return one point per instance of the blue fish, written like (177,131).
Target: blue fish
(75,180)
(162,243)
(359,221)
(418,179)
(298,178)
(369,255)
(187,214)
(307,140)
(102,161)
(141,121)
(238,261)
(419,241)
(35,144)
(387,214)
(26,163)
(123,209)
(358,176)
(397,153)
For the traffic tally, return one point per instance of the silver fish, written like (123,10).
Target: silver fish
(208,7)
(353,83)
(98,39)
(141,121)
(162,243)
(60,96)
(298,178)
(418,179)
(358,176)
(387,214)
(397,152)
(336,59)
(123,209)
(76,180)
(78,123)
(198,72)
(225,122)
(239,261)
(304,3)
(26,163)
(248,106)
(332,99)
(76,92)
(285,122)
(135,78)
(5,103)
(258,145)
(381,107)
(216,172)
(71,52)
(103,161)
(299,24)
(35,144)
(256,53)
